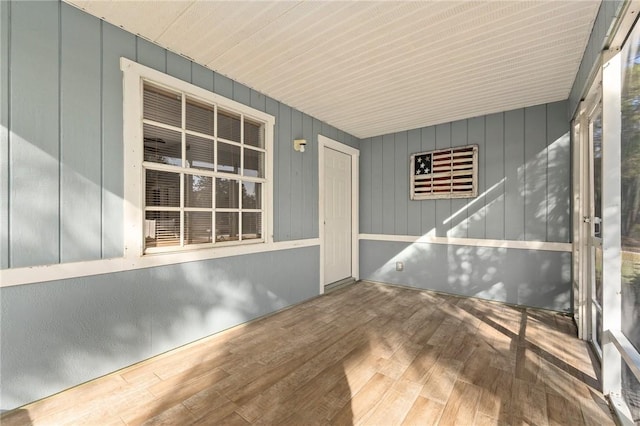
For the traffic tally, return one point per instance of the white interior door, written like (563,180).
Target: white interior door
(337,216)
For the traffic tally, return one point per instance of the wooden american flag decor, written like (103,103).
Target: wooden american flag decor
(445,173)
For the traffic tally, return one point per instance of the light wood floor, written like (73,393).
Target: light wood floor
(365,354)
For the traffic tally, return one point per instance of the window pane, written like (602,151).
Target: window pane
(226,226)
(228,126)
(251,195)
(597,171)
(253,133)
(253,163)
(198,191)
(199,152)
(630,212)
(200,117)
(227,194)
(162,146)
(228,158)
(162,189)
(630,190)
(251,226)
(197,227)
(162,105)
(162,229)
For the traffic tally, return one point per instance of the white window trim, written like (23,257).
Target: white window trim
(133,75)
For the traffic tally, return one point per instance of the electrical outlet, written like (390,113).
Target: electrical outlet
(399,266)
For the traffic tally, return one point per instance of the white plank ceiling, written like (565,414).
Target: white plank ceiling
(371,68)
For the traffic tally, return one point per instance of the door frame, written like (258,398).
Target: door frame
(325,142)
(587,110)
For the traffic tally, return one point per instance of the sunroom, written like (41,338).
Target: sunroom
(442,198)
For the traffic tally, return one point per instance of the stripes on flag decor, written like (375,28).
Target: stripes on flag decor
(445,173)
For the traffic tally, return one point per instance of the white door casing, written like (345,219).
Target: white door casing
(338,211)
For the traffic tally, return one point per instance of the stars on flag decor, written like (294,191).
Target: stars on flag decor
(422,164)
(445,173)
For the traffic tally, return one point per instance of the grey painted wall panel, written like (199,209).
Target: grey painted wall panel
(477,207)
(179,67)
(296,176)
(34,123)
(329,131)
(40,49)
(203,77)
(377,165)
(514,174)
(5,9)
(285,147)
(559,166)
(494,176)
(241,93)
(535,173)
(223,85)
(525,277)
(115,44)
(458,221)
(309,198)
(499,210)
(414,208)
(443,207)
(151,55)
(401,183)
(258,100)
(82,328)
(80,138)
(315,189)
(388,187)
(366,187)
(428,137)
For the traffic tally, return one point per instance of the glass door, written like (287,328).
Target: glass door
(593,220)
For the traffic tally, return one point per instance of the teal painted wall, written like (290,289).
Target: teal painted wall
(62,145)
(61,177)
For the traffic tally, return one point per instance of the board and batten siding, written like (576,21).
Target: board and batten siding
(524,179)
(61,201)
(523,203)
(61,139)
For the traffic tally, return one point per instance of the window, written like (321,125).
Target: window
(202,162)
(445,173)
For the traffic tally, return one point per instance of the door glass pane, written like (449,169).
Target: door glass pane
(597,172)
(598,275)
(630,211)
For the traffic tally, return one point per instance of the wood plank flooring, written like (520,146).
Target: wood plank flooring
(368,354)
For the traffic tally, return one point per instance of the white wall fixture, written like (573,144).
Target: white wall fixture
(299,144)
